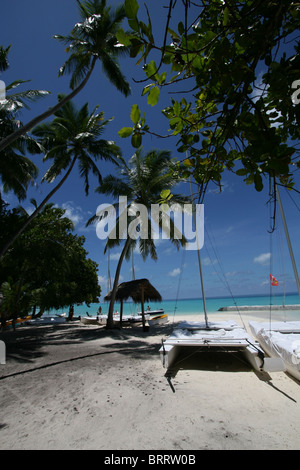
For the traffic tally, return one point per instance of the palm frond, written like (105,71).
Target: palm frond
(114,74)
(16,101)
(17,172)
(95,37)
(4,64)
(114,186)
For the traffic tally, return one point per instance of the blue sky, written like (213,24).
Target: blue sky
(236,221)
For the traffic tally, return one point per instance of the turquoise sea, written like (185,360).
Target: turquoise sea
(193,306)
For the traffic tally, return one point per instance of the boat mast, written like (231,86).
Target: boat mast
(199,261)
(288,239)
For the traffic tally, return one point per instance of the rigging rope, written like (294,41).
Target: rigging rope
(179,282)
(271,268)
(224,279)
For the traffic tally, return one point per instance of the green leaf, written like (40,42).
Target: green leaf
(131,8)
(258,182)
(187,162)
(173,34)
(176,108)
(146,89)
(125,132)
(162,78)
(242,172)
(135,114)
(181,28)
(225,16)
(136,140)
(123,38)
(165,193)
(151,70)
(153,96)
(134,24)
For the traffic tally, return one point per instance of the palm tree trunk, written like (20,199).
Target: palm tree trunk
(110,316)
(22,130)
(37,210)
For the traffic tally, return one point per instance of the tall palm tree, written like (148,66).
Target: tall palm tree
(94,38)
(141,181)
(72,137)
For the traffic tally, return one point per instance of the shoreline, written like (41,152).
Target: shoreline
(75,386)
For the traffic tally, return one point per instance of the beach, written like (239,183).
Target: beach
(81,387)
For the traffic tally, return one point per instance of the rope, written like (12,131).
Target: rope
(179,283)
(271,270)
(224,279)
(132,264)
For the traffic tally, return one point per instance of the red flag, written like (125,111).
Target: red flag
(274,281)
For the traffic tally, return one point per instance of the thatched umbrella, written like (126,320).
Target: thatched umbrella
(140,290)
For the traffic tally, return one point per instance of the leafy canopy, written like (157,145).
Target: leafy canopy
(231,69)
(54,270)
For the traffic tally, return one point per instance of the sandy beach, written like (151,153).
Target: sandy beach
(81,387)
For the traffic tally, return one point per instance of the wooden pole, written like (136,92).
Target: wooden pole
(121,313)
(143,311)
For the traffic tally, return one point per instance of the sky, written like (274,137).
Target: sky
(238,250)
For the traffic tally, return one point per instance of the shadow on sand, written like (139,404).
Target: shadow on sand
(29,347)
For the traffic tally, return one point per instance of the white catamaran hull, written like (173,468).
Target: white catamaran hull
(281,339)
(102,319)
(158,320)
(159,311)
(47,320)
(226,335)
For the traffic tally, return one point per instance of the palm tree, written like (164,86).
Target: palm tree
(142,182)
(16,170)
(90,40)
(72,137)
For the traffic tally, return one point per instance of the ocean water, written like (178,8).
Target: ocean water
(191,306)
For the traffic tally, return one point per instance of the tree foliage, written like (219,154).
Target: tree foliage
(232,70)
(53,270)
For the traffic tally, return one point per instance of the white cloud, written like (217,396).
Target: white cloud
(263,259)
(103,280)
(115,256)
(73,213)
(231,273)
(225,186)
(175,272)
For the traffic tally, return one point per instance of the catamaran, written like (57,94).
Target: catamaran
(102,319)
(281,338)
(209,336)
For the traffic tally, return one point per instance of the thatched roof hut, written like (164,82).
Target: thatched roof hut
(139,290)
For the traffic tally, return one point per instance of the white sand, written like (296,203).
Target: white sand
(81,387)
